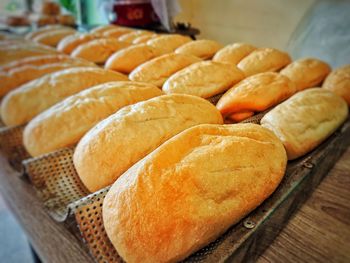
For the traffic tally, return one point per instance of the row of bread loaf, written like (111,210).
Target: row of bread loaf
(197,177)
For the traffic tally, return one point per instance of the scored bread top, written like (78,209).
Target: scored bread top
(264,60)
(339,82)
(306,119)
(190,190)
(233,53)
(22,104)
(204,48)
(204,79)
(66,122)
(306,72)
(125,137)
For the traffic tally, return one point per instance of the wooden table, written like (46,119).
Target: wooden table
(319,232)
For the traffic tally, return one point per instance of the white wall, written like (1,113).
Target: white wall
(267,23)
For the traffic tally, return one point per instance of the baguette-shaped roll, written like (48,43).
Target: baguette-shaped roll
(35,61)
(44,29)
(190,190)
(130,37)
(306,119)
(117,32)
(144,38)
(127,59)
(203,79)
(16,52)
(104,28)
(256,93)
(22,104)
(306,72)
(169,42)
(339,82)
(240,116)
(204,48)
(98,50)
(23,74)
(53,38)
(69,43)
(264,60)
(233,53)
(125,137)
(159,69)
(66,122)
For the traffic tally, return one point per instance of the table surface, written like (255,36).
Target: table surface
(319,231)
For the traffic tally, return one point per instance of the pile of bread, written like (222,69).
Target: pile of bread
(136,105)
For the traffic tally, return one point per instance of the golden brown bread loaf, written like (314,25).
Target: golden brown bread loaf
(125,137)
(339,82)
(23,74)
(22,104)
(168,42)
(117,32)
(203,79)
(15,52)
(130,37)
(240,116)
(204,48)
(159,69)
(256,93)
(35,61)
(102,29)
(306,72)
(144,38)
(98,50)
(127,59)
(306,119)
(66,19)
(190,190)
(233,53)
(264,60)
(69,43)
(66,122)
(49,28)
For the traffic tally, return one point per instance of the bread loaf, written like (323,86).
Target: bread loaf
(204,79)
(104,28)
(23,74)
(306,119)
(66,122)
(240,116)
(66,19)
(98,50)
(69,43)
(16,52)
(306,72)
(130,37)
(339,82)
(49,28)
(256,93)
(127,59)
(125,137)
(168,42)
(204,49)
(117,32)
(159,69)
(233,53)
(144,38)
(264,60)
(24,103)
(190,190)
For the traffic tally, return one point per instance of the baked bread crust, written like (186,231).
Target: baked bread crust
(66,122)
(306,119)
(204,48)
(233,53)
(306,72)
(69,43)
(256,93)
(169,42)
(264,60)
(190,190)
(125,137)
(339,82)
(53,38)
(203,79)
(22,104)
(159,69)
